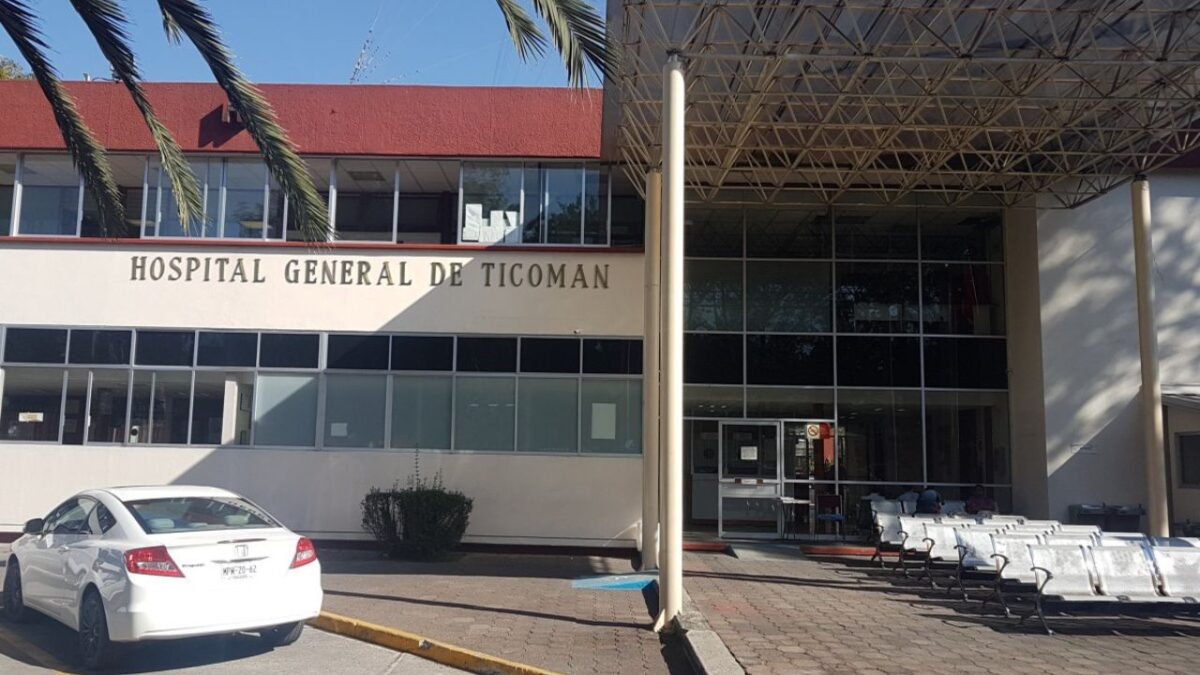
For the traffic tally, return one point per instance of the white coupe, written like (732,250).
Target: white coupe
(148,563)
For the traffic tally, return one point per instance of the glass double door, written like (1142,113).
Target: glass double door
(775,477)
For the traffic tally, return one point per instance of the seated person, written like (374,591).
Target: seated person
(929,501)
(909,495)
(980,502)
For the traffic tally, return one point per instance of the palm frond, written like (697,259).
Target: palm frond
(525,34)
(285,165)
(578,33)
(87,152)
(107,23)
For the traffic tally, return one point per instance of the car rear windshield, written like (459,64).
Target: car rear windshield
(191,514)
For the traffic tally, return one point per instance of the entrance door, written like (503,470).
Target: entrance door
(748,494)
(809,465)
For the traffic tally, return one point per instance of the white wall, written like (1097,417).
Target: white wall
(546,499)
(1090,359)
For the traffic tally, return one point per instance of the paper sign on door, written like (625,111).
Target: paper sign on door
(749,453)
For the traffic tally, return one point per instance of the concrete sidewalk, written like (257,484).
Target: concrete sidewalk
(518,607)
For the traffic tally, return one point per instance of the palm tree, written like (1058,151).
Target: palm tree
(576,31)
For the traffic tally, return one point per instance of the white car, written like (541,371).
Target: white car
(148,563)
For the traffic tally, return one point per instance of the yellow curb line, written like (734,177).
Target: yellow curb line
(433,650)
(31,652)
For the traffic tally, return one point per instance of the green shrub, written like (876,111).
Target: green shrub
(423,521)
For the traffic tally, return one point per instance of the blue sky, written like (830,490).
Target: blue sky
(418,42)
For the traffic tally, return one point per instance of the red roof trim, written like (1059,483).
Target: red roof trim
(361,120)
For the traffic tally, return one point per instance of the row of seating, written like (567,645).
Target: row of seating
(899,506)
(1042,560)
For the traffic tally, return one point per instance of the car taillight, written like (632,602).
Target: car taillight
(305,553)
(154,561)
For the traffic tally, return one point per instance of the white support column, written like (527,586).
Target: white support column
(1152,420)
(650,357)
(670,586)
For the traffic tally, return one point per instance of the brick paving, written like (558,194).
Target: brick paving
(519,607)
(793,615)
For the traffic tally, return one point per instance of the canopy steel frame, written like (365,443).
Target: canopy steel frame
(887,102)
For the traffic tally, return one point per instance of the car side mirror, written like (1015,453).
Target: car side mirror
(34,526)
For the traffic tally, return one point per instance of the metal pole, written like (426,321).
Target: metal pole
(1152,421)
(671,573)
(650,353)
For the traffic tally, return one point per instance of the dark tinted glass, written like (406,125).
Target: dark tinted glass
(963,299)
(879,362)
(1189,460)
(962,236)
(789,359)
(549,355)
(360,352)
(487,354)
(712,359)
(787,234)
(966,436)
(289,350)
(876,234)
(713,234)
(35,345)
(877,298)
(881,435)
(100,346)
(227,349)
(621,357)
(789,296)
(970,363)
(422,353)
(165,348)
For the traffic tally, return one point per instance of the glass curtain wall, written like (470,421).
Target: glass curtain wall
(888,321)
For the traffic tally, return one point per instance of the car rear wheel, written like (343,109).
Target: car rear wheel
(286,634)
(14,597)
(95,649)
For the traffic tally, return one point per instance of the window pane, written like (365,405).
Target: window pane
(354,410)
(289,350)
(35,345)
(110,398)
(227,349)
(358,352)
(712,359)
(789,297)
(595,216)
(879,362)
(421,412)
(8,178)
(962,235)
(75,412)
(285,410)
(877,298)
(789,403)
(881,435)
(1189,460)
(713,234)
(712,297)
(963,299)
(165,348)
(708,401)
(772,233)
(487,355)
(491,202)
(612,416)
(428,202)
(628,220)
(890,234)
(166,211)
(365,199)
(318,169)
(422,353)
(128,172)
(789,359)
(208,408)
(967,436)
(49,195)
(620,357)
(549,355)
(245,187)
(966,363)
(483,417)
(160,406)
(32,403)
(548,414)
(564,193)
(100,346)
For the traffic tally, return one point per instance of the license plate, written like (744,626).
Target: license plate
(238,571)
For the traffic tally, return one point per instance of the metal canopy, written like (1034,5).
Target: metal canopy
(941,102)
